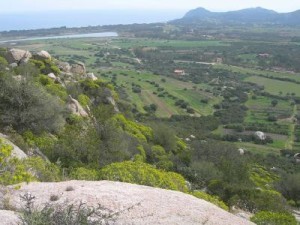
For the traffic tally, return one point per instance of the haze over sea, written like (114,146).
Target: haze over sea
(36,20)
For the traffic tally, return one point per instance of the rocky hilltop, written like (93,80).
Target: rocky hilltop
(247,16)
(137,204)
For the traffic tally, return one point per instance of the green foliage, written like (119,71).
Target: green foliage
(273,218)
(143,174)
(53,88)
(50,67)
(39,64)
(82,173)
(45,141)
(203,172)
(15,171)
(65,214)
(45,80)
(77,144)
(43,171)
(12,170)
(262,178)
(255,200)
(165,137)
(139,131)
(141,157)
(26,106)
(210,198)
(3,62)
(160,158)
(289,186)
(84,100)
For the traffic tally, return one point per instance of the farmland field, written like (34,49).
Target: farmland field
(275,87)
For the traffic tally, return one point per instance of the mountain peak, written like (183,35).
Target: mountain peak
(257,15)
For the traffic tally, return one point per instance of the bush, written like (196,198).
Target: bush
(26,106)
(82,173)
(139,131)
(84,100)
(43,171)
(62,214)
(143,174)
(12,170)
(210,198)
(273,218)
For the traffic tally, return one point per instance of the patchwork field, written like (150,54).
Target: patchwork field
(276,87)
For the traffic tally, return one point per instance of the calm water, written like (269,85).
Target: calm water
(89,35)
(36,20)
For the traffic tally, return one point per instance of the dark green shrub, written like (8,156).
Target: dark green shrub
(84,174)
(273,218)
(210,198)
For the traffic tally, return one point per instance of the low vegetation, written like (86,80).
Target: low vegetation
(150,125)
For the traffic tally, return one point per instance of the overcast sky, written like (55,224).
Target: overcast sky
(178,5)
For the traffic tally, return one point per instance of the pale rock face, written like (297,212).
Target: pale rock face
(64,67)
(261,135)
(52,76)
(43,55)
(139,205)
(9,217)
(241,151)
(109,99)
(297,157)
(91,76)
(78,68)
(18,56)
(74,106)
(16,152)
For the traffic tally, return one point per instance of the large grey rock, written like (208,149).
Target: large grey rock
(9,218)
(91,76)
(139,205)
(78,68)
(74,106)
(261,135)
(52,76)
(18,56)
(16,152)
(64,66)
(43,55)
(297,157)
(109,99)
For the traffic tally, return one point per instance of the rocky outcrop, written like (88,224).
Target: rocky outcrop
(78,68)
(91,76)
(43,55)
(16,152)
(74,106)
(260,135)
(18,56)
(64,66)
(297,157)
(111,101)
(138,205)
(108,99)
(9,218)
(52,76)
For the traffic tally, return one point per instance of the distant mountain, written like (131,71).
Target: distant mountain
(250,15)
